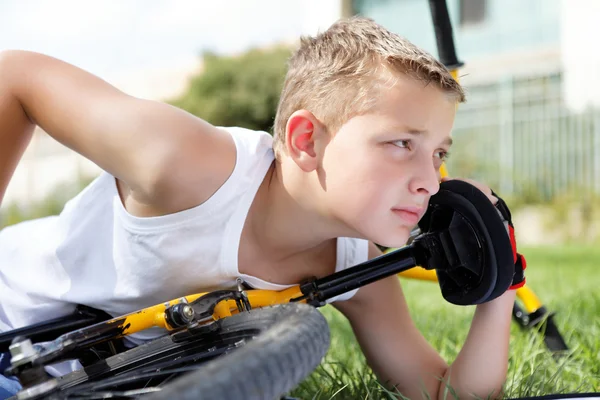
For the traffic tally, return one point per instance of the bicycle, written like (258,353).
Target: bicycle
(204,326)
(462,238)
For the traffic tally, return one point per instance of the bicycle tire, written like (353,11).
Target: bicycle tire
(287,342)
(267,368)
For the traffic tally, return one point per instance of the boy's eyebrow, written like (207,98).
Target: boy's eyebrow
(447,141)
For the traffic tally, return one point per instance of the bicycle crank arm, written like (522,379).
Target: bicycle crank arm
(438,250)
(463,239)
(316,292)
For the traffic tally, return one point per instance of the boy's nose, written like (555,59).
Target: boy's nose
(425,180)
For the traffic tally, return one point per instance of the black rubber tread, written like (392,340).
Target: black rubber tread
(268,367)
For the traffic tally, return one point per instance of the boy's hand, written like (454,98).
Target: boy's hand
(503,210)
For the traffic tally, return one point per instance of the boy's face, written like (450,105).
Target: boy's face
(381,168)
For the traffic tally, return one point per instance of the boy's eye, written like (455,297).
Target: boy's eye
(442,155)
(404,144)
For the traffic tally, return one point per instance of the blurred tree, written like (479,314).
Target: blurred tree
(238,91)
(51,204)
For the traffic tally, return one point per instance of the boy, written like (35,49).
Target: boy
(362,128)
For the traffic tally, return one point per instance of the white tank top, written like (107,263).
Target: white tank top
(97,254)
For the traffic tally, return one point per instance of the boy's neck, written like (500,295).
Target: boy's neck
(282,222)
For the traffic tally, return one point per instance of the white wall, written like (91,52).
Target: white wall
(580,30)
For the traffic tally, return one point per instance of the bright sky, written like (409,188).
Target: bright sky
(144,47)
(109,37)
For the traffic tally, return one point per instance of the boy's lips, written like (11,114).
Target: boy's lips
(412,215)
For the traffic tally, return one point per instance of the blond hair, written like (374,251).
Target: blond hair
(334,75)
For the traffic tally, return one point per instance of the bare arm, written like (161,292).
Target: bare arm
(15,132)
(401,357)
(482,363)
(156,149)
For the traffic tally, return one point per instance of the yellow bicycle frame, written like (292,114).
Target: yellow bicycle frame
(155,316)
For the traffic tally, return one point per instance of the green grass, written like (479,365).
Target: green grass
(566,280)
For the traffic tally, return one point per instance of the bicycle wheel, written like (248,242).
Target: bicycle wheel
(275,349)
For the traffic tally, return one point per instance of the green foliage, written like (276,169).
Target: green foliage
(565,279)
(238,91)
(577,212)
(52,204)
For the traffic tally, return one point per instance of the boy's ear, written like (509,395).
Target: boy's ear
(304,139)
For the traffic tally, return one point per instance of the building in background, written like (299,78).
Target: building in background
(531,124)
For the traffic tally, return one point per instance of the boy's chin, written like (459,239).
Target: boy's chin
(392,240)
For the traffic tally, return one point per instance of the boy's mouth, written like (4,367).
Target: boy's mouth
(412,215)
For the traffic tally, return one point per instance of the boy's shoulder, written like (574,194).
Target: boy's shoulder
(249,139)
